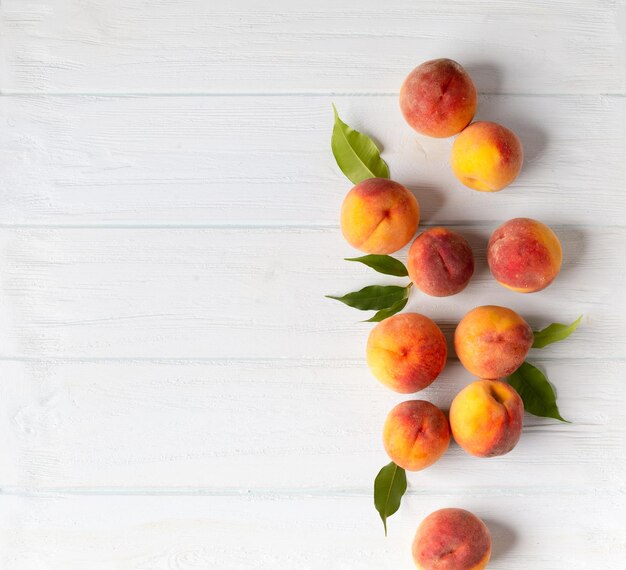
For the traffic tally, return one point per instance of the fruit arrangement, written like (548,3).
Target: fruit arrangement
(406,352)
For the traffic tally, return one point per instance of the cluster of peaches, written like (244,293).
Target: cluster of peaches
(407,352)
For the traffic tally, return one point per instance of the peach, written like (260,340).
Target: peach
(452,539)
(438,98)
(492,342)
(440,262)
(486,418)
(524,255)
(487,156)
(416,434)
(379,216)
(406,352)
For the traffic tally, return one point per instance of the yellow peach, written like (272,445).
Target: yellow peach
(492,342)
(406,352)
(486,418)
(487,156)
(379,216)
(416,434)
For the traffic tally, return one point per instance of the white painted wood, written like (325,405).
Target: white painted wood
(175,391)
(267,426)
(299,532)
(176,46)
(260,293)
(267,160)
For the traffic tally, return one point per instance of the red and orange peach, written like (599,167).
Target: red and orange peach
(452,539)
(486,418)
(438,98)
(379,216)
(406,352)
(492,342)
(416,434)
(487,156)
(440,262)
(524,255)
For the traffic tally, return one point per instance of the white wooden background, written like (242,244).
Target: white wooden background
(175,391)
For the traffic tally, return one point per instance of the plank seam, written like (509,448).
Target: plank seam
(139,94)
(271,227)
(313,493)
(292,361)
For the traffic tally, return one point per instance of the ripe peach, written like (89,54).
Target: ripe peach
(440,262)
(487,156)
(416,434)
(438,98)
(379,216)
(492,342)
(524,255)
(452,539)
(406,352)
(486,418)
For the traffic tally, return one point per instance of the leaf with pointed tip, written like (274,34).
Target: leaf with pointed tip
(383,264)
(374,297)
(386,313)
(536,392)
(355,153)
(554,333)
(389,486)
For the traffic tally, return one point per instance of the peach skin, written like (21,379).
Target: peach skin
(452,539)
(379,216)
(492,342)
(438,98)
(487,156)
(406,352)
(416,434)
(440,262)
(486,418)
(524,255)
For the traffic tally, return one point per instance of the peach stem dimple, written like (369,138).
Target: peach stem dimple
(442,260)
(447,553)
(385,215)
(444,86)
(494,394)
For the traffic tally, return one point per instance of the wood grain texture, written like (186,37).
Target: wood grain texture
(175,390)
(189,46)
(267,160)
(271,426)
(259,293)
(297,532)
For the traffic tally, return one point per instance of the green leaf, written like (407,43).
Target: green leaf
(383,264)
(555,333)
(386,313)
(389,486)
(374,297)
(355,153)
(536,392)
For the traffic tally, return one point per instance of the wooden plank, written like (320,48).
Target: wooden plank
(300,533)
(313,427)
(267,160)
(176,392)
(259,293)
(514,46)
